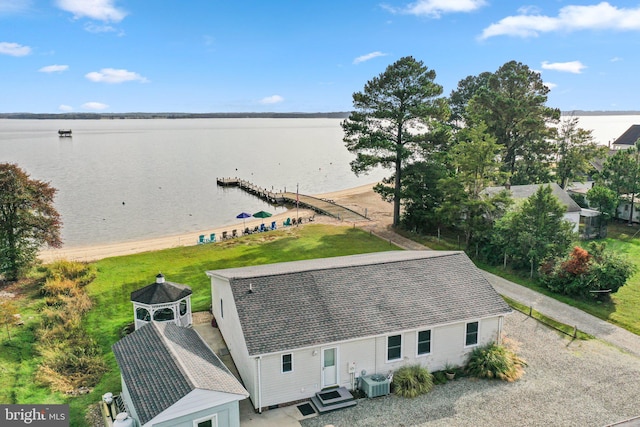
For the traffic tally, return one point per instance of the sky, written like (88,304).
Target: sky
(199,56)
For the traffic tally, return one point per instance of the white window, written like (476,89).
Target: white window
(209,421)
(424,342)
(287,363)
(471,336)
(394,347)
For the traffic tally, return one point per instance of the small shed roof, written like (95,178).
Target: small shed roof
(526,191)
(629,137)
(313,302)
(161,292)
(162,362)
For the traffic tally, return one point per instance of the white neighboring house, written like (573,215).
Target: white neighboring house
(171,378)
(520,192)
(296,328)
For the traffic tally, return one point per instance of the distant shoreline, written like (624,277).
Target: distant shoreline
(270,115)
(146,116)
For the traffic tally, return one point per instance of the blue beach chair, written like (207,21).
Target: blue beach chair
(287,223)
(273,225)
(201,239)
(212,238)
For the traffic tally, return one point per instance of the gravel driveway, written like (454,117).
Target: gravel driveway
(567,383)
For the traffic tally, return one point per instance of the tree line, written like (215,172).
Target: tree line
(494,129)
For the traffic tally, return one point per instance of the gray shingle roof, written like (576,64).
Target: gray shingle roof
(163,362)
(159,293)
(629,137)
(526,191)
(314,302)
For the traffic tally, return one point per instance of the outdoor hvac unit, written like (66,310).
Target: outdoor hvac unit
(374,385)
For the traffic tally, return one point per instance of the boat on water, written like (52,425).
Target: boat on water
(64,132)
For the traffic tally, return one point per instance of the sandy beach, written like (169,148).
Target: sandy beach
(359,198)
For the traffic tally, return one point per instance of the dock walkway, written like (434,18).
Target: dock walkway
(321,206)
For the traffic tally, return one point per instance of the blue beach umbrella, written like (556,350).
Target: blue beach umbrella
(243,215)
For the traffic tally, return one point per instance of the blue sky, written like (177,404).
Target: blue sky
(301,55)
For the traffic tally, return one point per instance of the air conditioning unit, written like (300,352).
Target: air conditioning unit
(374,385)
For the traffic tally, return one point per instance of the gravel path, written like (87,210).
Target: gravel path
(567,383)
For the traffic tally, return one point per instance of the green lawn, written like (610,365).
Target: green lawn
(117,277)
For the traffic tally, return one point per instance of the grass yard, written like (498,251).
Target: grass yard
(117,277)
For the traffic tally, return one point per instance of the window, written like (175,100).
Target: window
(472,334)
(394,347)
(143,314)
(424,342)
(221,310)
(287,362)
(183,307)
(163,315)
(209,421)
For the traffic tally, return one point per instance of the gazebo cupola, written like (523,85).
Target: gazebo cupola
(162,301)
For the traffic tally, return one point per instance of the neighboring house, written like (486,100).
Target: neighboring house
(520,192)
(296,328)
(627,139)
(171,378)
(162,301)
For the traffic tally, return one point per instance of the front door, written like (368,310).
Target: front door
(329,367)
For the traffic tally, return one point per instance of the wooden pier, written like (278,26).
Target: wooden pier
(321,206)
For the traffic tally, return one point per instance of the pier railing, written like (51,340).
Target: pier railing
(321,206)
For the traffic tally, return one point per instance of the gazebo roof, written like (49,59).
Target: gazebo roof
(160,292)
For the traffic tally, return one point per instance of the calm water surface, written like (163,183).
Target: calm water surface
(121,180)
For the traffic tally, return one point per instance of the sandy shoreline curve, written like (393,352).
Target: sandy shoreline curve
(352,198)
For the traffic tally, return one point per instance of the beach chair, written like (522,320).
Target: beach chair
(234,233)
(273,225)
(263,228)
(256,229)
(246,231)
(201,239)
(293,221)
(212,238)
(224,235)
(287,223)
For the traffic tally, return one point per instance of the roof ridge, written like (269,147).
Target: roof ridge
(174,356)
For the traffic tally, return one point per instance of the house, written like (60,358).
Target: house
(628,138)
(171,378)
(521,192)
(162,301)
(296,328)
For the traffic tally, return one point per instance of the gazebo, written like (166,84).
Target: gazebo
(162,301)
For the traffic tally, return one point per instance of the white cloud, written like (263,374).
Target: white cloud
(550,85)
(574,67)
(97,29)
(111,75)
(435,8)
(99,10)
(14,49)
(14,6)
(616,59)
(54,68)
(94,106)
(602,16)
(65,108)
(273,99)
(368,56)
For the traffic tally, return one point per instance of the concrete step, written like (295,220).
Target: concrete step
(330,400)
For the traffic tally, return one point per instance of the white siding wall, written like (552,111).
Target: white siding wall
(229,325)
(573,218)
(447,346)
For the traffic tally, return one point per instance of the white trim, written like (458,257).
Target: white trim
(418,342)
(466,333)
(282,371)
(386,348)
(213,418)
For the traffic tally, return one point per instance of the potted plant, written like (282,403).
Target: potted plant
(449,371)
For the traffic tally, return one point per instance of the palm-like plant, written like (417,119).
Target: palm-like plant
(412,381)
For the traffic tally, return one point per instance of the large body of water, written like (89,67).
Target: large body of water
(126,180)
(121,180)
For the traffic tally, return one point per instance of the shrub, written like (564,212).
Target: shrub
(495,361)
(78,272)
(412,381)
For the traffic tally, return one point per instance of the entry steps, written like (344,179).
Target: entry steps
(332,399)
